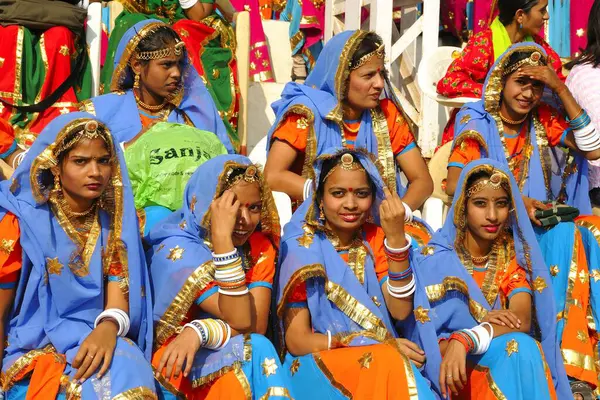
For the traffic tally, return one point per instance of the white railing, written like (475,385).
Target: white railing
(416,39)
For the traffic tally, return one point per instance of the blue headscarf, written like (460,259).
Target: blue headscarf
(319,100)
(448,298)
(481,121)
(119,108)
(181,260)
(337,300)
(60,308)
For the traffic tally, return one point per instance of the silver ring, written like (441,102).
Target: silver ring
(449,376)
(91,356)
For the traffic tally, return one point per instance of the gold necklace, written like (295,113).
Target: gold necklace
(480,260)
(511,122)
(351,130)
(69,211)
(148,106)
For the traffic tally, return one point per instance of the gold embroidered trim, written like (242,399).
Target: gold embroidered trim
(8,378)
(276,391)
(167,384)
(439,291)
(356,261)
(356,311)
(171,320)
(579,360)
(301,275)
(384,148)
(542,143)
(491,383)
(138,393)
(345,392)
(87,106)
(243,380)
(413,392)
(473,135)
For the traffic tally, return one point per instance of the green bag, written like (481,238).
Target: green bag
(557,214)
(163,159)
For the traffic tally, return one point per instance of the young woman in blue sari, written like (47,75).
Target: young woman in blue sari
(512,126)
(346,101)
(335,303)
(484,294)
(154,81)
(75,293)
(212,265)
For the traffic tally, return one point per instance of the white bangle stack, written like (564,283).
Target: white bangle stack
(214,334)
(402,292)
(185,4)
(587,138)
(484,337)
(408,213)
(307,189)
(117,315)
(328,339)
(229,273)
(400,250)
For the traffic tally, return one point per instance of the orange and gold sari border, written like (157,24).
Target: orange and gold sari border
(347,337)
(421,227)
(138,393)
(277,391)
(167,385)
(345,392)
(411,382)
(343,72)
(8,378)
(491,383)
(572,277)
(355,310)
(578,360)
(171,320)
(473,135)
(301,275)
(384,148)
(121,68)
(439,291)
(196,383)
(243,380)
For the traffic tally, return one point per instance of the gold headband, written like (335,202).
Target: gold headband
(497,181)
(535,60)
(176,50)
(347,163)
(90,132)
(250,176)
(379,52)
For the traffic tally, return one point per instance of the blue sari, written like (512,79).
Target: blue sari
(319,100)
(179,279)
(54,311)
(448,299)
(549,176)
(193,105)
(338,300)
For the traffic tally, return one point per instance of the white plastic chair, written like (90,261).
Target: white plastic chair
(432,69)
(282,200)
(436,207)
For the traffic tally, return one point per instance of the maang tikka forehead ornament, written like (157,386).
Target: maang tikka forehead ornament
(379,52)
(176,50)
(496,181)
(250,176)
(347,163)
(536,59)
(91,131)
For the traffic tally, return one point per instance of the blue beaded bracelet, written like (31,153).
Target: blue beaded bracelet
(228,257)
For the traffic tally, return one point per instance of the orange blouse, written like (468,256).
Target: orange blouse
(261,274)
(8,144)
(294,131)
(10,251)
(374,236)
(514,280)
(556,129)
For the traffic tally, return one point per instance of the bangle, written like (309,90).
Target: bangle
(195,325)
(397,257)
(398,276)
(307,189)
(225,257)
(230,293)
(408,213)
(462,340)
(402,292)
(185,4)
(117,315)
(328,339)
(400,250)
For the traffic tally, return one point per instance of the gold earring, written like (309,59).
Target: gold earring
(57,187)
(136,81)
(321,214)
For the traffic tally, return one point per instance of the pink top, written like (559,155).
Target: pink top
(584,84)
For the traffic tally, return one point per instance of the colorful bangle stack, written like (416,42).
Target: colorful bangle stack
(400,255)
(229,273)
(465,339)
(214,334)
(582,120)
(400,276)
(477,340)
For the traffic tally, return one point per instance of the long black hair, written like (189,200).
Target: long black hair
(591,54)
(508,9)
